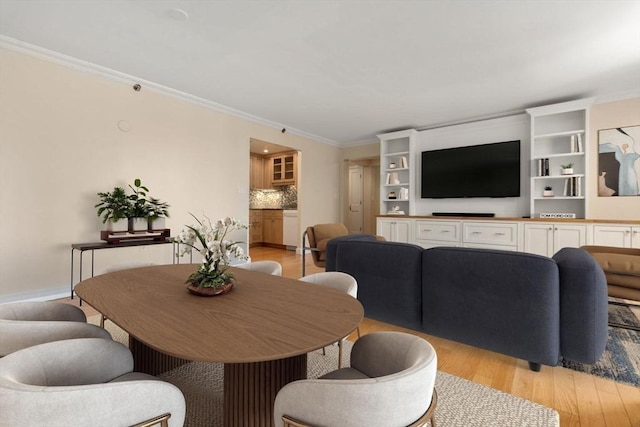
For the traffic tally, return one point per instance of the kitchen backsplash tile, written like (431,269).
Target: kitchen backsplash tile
(285,198)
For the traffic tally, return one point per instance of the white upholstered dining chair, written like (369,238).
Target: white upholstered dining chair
(340,281)
(269,267)
(25,324)
(82,382)
(390,383)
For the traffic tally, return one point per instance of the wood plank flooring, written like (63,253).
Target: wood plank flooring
(580,399)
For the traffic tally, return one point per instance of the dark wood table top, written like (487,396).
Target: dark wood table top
(263,318)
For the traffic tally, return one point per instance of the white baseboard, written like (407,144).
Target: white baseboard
(42,295)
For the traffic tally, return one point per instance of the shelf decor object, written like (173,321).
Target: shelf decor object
(618,154)
(560,158)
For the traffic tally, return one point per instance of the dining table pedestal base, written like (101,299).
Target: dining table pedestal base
(250,389)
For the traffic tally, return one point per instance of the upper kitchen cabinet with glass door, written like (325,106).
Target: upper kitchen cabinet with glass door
(283,168)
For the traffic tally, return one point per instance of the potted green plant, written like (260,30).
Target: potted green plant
(139,208)
(158,211)
(567,169)
(114,209)
(548,191)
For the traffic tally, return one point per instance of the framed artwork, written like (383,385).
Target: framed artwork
(618,164)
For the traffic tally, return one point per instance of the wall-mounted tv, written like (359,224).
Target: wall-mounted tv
(488,170)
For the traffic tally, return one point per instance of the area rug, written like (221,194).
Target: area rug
(621,359)
(461,403)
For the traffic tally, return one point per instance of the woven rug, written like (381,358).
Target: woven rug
(621,359)
(461,403)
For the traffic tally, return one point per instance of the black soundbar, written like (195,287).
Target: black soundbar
(476,214)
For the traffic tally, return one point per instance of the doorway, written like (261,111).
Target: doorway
(363,195)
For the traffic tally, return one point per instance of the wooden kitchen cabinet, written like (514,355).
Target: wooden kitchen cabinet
(255,227)
(283,168)
(272,226)
(257,173)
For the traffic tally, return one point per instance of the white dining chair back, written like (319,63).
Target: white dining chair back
(334,279)
(29,323)
(269,267)
(390,382)
(340,281)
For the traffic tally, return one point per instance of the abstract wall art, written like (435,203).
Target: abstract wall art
(618,164)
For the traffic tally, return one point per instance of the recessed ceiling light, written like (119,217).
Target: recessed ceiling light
(266,150)
(178,14)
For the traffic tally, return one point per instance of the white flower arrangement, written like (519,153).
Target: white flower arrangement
(215,249)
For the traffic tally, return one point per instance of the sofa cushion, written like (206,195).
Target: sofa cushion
(627,265)
(502,301)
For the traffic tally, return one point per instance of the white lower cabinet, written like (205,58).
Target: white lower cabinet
(548,238)
(490,235)
(395,230)
(622,236)
(430,234)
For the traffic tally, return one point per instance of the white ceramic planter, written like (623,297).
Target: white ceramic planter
(138,224)
(567,171)
(547,193)
(157,223)
(118,226)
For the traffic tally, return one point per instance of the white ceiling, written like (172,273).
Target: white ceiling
(344,71)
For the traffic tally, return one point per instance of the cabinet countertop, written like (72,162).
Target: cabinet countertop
(471,218)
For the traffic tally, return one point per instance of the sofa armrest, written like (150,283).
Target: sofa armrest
(332,244)
(583,306)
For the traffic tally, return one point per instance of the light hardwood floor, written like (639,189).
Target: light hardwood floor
(580,399)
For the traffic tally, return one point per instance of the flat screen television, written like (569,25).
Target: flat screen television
(487,170)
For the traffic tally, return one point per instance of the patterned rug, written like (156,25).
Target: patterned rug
(461,403)
(621,359)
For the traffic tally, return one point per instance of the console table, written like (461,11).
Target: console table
(83,247)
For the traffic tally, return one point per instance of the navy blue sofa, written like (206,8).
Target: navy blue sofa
(527,306)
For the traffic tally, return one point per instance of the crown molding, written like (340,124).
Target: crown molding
(84,66)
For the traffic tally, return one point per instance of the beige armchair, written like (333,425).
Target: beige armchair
(621,267)
(83,382)
(25,324)
(390,383)
(318,236)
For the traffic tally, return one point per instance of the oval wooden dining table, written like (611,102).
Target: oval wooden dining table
(262,330)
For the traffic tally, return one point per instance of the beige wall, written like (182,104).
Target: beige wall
(607,116)
(60,144)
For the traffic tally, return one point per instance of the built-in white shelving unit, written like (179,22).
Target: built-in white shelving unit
(397,172)
(559,136)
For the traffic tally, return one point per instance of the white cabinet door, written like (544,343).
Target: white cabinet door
(538,239)
(402,231)
(548,238)
(612,235)
(569,236)
(635,237)
(384,228)
(395,230)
